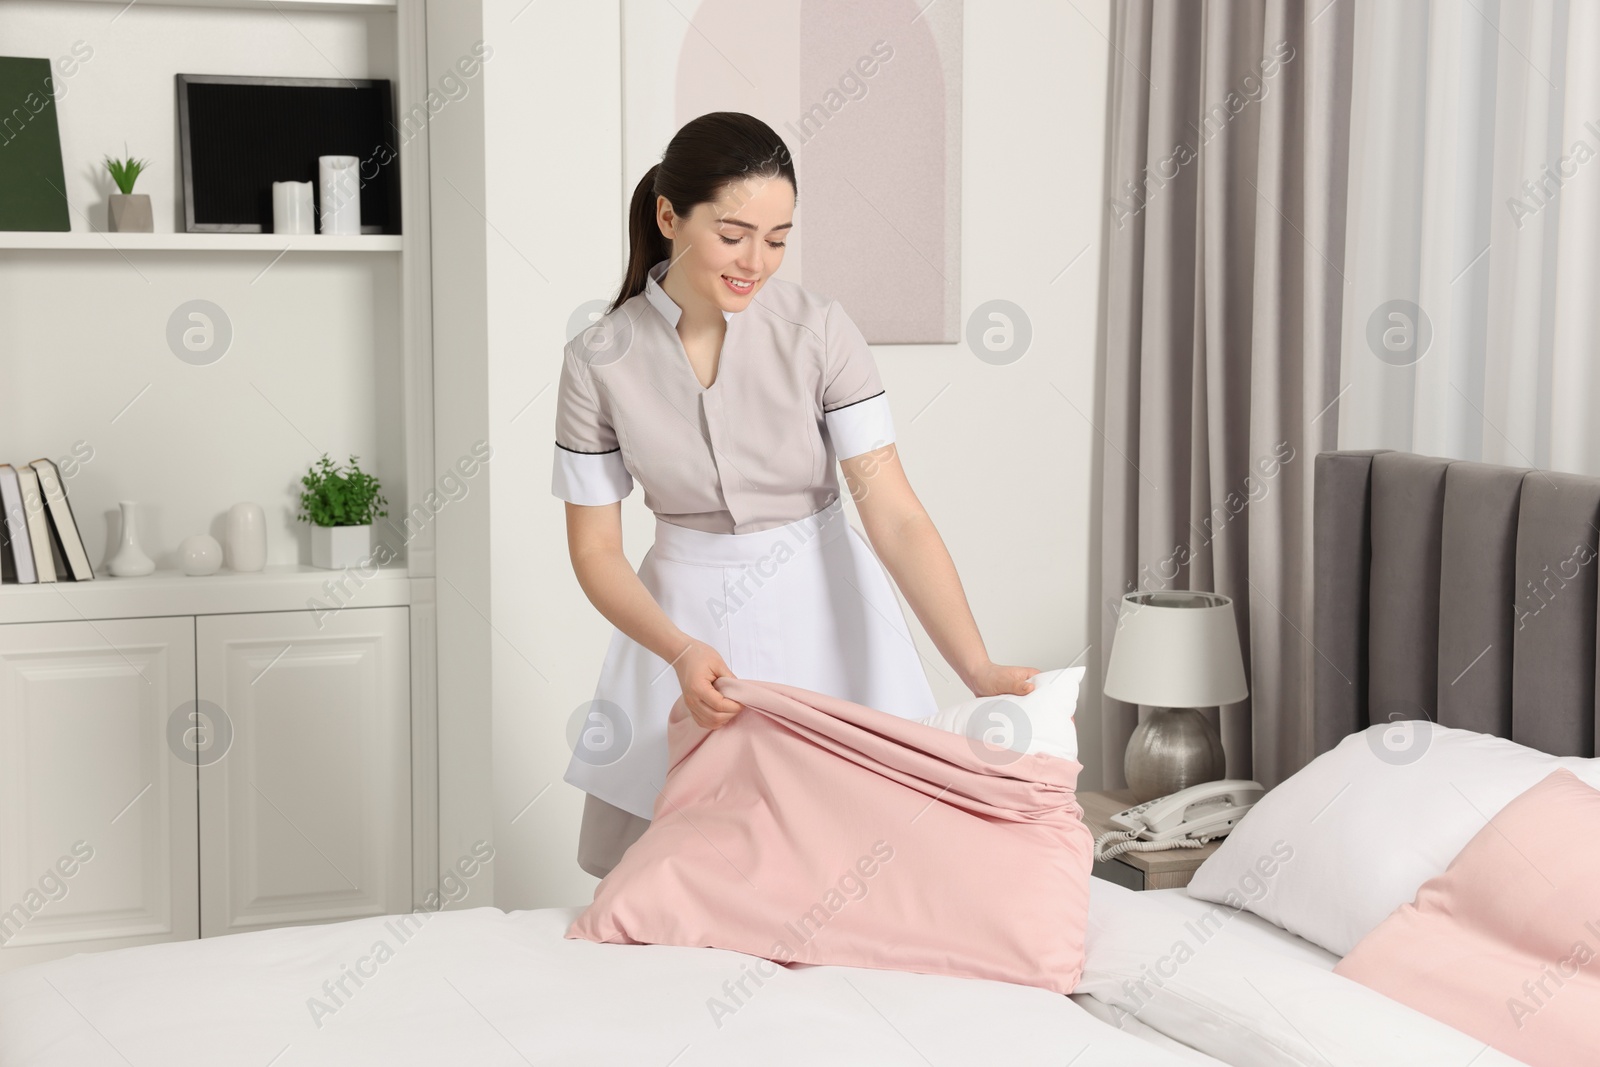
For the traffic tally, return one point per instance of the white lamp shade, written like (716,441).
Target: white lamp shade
(1176,650)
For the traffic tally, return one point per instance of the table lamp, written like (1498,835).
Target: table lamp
(1175,651)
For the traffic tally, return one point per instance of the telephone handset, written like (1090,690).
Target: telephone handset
(1185,819)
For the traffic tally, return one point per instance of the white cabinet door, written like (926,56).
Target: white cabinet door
(98,847)
(307,817)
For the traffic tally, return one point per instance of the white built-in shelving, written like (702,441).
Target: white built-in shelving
(331,350)
(267,5)
(96,241)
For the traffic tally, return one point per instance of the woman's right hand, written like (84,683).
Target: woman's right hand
(697,668)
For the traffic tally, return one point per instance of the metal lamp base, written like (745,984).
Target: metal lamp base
(1172,749)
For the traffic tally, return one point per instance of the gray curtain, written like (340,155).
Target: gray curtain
(1227,157)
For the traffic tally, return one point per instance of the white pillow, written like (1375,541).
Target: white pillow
(1037,721)
(1353,834)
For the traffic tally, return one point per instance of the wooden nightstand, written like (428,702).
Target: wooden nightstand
(1166,869)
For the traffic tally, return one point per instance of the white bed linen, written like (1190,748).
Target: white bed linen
(486,987)
(1232,985)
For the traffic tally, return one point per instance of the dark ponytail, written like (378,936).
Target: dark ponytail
(710,152)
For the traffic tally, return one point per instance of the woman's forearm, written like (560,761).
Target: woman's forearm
(614,588)
(916,557)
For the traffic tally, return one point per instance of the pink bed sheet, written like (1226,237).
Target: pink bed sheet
(813,830)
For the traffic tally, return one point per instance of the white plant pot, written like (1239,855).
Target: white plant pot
(336,547)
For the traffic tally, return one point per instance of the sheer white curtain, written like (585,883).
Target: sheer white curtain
(1471,311)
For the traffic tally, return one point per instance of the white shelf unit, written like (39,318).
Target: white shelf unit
(285,587)
(330,351)
(269,5)
(97,241)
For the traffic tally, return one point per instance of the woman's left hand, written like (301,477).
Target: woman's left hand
(993,679)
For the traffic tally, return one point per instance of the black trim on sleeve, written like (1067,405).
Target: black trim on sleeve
(853,403)
(581,452)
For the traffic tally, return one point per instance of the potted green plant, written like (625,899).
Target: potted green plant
(128,212)
(341,506)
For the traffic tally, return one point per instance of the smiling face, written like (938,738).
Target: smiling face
(738,238)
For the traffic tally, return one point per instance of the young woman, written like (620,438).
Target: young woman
(729,394)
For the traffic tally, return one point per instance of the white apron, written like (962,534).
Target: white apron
(804,604)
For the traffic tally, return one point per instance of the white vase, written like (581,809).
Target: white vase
(247,537)
(336,547)
(199,554)
(130,560)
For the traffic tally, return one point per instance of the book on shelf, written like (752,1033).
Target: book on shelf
(31,171)
(41,541)
(37,525)
(63,525)
(18,548)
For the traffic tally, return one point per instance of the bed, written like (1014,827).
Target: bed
(1459,593)
(1416,560)
(485,987)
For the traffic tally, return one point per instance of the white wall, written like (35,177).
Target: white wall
(998,455)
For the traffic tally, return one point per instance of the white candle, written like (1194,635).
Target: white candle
(292,210)
(341,195)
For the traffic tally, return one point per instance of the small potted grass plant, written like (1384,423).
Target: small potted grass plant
(128,211)
(340,505)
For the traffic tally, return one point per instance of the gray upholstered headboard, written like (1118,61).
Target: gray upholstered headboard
(1460,592)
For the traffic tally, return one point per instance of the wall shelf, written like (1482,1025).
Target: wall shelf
(196,242)
(283,587)
(270,5)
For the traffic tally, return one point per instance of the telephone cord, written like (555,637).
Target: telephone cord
(1114,843)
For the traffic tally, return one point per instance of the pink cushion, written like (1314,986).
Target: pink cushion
(814,830)
(1505,944)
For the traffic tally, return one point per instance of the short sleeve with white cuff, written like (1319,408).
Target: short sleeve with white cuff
(587,466)
(855,409)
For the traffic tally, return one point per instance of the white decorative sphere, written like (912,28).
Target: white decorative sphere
(199,554)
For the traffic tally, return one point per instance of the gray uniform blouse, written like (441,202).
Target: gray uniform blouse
(796,390)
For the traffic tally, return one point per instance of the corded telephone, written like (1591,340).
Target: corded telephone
(1185,819)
